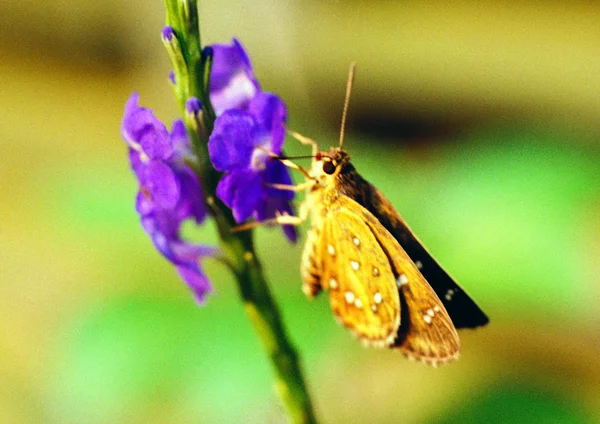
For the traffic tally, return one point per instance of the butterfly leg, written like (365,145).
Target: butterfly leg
(281,219)
(298,187)
(286,162)
(306,141)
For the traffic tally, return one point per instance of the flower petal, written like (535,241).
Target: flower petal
(136,162)
(187,252)
(190,203)
(225,189)
(179,138)
(241,192)
(156,230)
(277,173)
(161,184)
(232,141)
(144,132)
(128,125)
(247,195)
(196,281)
(271,114)
(232,82)
(290,231)
(269,207)
(187,260)
(144,204)
(153,137)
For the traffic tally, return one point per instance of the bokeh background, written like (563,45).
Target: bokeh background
(480,122)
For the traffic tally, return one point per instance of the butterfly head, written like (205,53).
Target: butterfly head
(327,166)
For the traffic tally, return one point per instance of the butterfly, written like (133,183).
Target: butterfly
(383,285)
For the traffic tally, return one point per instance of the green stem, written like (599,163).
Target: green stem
(192,70)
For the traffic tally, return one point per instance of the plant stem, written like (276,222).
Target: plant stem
(192,69)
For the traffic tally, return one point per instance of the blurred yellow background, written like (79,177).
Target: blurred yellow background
(479,122)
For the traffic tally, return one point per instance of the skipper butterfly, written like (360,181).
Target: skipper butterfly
(383,285)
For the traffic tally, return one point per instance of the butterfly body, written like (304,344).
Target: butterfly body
(383,284)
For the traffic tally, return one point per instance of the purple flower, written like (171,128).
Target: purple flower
(249,124)
(169,193)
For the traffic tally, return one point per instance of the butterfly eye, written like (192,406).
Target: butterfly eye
(329,167)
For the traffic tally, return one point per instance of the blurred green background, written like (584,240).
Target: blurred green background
(479,122)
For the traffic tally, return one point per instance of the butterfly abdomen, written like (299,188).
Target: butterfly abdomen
(310,265)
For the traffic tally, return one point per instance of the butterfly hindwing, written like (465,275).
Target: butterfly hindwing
(359,276)
(427,332)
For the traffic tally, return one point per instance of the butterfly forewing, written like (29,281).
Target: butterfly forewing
(359,276)
(462,309)
(427,333)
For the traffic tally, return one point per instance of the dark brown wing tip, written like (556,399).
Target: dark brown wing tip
(482,322)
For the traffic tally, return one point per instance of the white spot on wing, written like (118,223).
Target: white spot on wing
(358,303)
(427,319)
(375,271)
(349,296)
(356,241)
(374,307)
(331,249)
(402,280)
(419,264)
(333,283)
(355,265)
(377,298)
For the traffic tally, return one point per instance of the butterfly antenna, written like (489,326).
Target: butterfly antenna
(347,101)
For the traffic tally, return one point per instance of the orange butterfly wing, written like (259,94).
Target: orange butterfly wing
(427,332)
(358,274)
